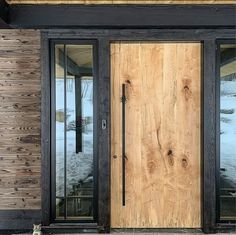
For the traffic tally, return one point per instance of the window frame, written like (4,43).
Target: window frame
(219,42)
(66,42)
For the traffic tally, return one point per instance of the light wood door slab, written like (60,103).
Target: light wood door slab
(163,172)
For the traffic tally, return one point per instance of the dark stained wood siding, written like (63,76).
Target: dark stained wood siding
(20,85)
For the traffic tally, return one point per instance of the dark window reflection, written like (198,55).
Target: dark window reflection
(228,132)
(74,131)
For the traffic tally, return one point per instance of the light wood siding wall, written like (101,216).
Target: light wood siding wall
(20,119)
(123,2)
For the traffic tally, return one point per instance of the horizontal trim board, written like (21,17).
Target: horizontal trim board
(140,34)
(19,219)
(121,1)
(122,16)
(20,214)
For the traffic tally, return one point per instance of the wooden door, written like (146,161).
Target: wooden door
(162,132)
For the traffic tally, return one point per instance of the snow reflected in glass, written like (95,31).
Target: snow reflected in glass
(74,133)
(228,132)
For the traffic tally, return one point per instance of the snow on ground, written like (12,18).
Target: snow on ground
(228,131)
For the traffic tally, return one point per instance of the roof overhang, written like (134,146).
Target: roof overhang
(47,16)
(122,16)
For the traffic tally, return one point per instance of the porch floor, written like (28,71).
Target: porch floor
(130,233)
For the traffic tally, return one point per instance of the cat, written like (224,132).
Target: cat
(37,229)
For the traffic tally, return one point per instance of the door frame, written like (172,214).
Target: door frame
(53,131)
(104,37)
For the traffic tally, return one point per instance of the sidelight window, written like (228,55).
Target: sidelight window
(227,132)
(73,159)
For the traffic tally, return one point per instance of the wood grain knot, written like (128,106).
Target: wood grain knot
(170,152)
(16,106)
(151,166)
(170,157)
(24,41)
(128,82)
(186,89)
(32,139)
(184,162)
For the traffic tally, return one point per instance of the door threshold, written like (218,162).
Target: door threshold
(71,228)
(156,230)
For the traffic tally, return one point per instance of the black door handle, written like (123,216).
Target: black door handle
(123,100)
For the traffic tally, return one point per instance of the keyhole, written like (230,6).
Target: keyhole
(104,124)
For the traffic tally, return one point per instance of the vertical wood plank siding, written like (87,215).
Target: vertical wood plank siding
(20,85)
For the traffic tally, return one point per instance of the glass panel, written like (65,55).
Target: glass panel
(60,203)
(79,152)
(80,207)
(228,132)
(60,122)
(74,132)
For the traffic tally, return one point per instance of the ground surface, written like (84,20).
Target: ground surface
(130,233)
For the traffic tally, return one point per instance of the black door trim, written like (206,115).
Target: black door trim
(208,37)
